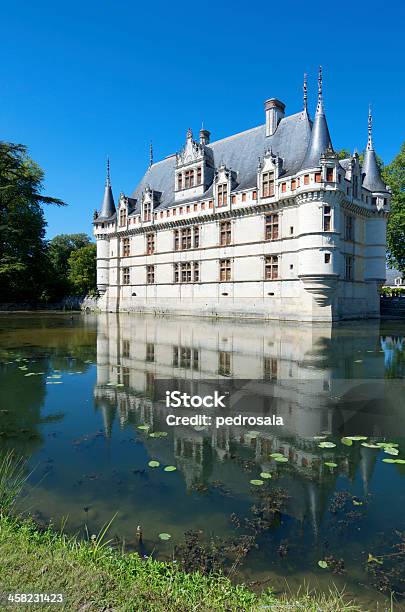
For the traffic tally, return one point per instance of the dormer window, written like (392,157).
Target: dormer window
(194,167)
(188,179)
(267,184)
(355,181)
(222,194)
(123,217)
(147,211)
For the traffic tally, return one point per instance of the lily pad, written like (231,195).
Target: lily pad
(281,459)
(153,464)
(164,536)
(330,464)
(326,445)
(170,468)
(391,451)
(356,438)
(369,445)
(265,475)
(257,483)
(143,427)
(387,445)
(274,455)
(347,441)
(322,564)
(372,559)
(158,434)
(389,460)
(357,502)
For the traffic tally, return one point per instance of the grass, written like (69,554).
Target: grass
(94,577)
(98,578)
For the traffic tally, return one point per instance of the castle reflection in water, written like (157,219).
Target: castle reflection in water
(305,367)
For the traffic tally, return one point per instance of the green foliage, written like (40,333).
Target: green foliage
(100,578)
(12,479)
(394,176)
(23,257)
(60,249)
(343,154)
(392,291)
(82,270)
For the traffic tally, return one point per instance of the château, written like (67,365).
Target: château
(267,223)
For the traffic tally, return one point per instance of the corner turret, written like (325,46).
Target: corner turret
(108,206)
(320,139)
(371,173)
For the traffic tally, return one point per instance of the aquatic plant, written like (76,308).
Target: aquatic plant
(13,475)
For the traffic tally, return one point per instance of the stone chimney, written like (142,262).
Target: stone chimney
(274,110)
(204,136)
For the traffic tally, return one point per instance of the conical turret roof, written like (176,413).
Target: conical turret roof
(320,138)
(108,206)
(372,177)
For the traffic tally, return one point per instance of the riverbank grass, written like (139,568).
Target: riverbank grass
(95,577)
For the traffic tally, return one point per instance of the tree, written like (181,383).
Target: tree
(394,176)
(23,261)
(82,270)
(60,249)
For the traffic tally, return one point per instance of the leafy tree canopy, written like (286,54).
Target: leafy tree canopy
(82,270)
(394,176)
(61,247)
(23,259)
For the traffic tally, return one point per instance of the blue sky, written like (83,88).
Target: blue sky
(83,80)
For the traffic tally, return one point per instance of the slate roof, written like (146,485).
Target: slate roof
(320,139)
(239,153)
(372,179)
(108,206)
(391,274)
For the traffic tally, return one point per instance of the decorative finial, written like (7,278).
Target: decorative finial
(189,133)
(150,154)
(320,101)
(107,181)
(305,92)
(370,129)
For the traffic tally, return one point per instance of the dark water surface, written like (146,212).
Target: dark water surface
(75,390)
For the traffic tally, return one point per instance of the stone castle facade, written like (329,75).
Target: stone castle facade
(268,223)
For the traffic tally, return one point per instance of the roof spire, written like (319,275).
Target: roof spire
(107,180)
(305,92)
(371,173)
(108,206)
(150,154)
(370,129)
(320,138)
(320,98)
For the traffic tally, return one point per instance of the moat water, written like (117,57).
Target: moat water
(82,399)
